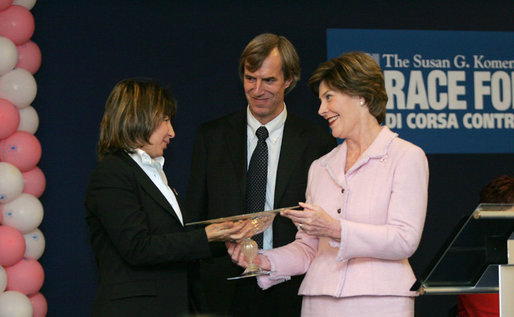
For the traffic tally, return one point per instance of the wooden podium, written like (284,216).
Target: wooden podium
(477,258)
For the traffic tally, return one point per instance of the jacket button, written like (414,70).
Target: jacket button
(342,190)
(339,210)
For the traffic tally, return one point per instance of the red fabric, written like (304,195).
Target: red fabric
(478,305)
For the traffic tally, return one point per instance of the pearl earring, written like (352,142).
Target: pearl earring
(362,103)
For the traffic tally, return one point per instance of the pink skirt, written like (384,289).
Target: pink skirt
(358,306)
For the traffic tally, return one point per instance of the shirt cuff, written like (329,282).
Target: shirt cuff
(266,281)
(340,244)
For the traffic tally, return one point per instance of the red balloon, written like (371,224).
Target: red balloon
(4,4)
(17,24)
(22,150)
(29,57)
(26,276)
(34,182)
(39,305)
(12,246)
(9,118)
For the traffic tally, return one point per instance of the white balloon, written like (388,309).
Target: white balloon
(29,120)
(35,244)
(25,213)
(15,304)
(11,182)
(3,279)
(19,87)
(29,4)
(8,55)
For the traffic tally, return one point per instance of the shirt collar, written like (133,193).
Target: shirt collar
(335,160)
(274,126)
(145,159)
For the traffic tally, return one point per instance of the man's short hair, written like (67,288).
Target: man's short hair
(261,46)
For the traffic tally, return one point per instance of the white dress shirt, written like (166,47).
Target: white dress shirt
(153,168)
(274,141)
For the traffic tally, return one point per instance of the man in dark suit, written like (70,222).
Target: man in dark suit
(269,68)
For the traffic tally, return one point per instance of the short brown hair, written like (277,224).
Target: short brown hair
(500,190)
(134,109)
(355,74)
(261,46)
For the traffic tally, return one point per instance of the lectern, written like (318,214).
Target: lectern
(477,258)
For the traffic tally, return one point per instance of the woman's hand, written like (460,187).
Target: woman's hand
(314,221)
(234,250)
(229,230)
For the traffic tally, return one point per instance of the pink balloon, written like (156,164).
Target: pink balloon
(9,118)
(12,246)
(39,305)
(29,57)
(26,276)
(34,182)
(4,4)
(17,24)
(21,149)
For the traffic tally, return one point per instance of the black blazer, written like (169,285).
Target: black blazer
(217,184)
(139,243)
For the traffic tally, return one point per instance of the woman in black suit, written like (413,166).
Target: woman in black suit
(136,226)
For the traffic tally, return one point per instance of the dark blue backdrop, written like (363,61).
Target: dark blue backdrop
(193,46)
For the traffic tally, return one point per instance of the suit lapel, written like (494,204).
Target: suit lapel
(235,138)
(149,187)
(291,151)
(290,155)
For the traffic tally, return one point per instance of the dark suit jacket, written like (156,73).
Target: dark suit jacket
(139,243)
(217,187)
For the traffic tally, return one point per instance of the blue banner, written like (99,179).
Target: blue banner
(449,91)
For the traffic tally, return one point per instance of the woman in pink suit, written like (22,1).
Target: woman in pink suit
(365,209)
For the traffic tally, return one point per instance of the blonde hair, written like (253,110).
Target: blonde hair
(134,109)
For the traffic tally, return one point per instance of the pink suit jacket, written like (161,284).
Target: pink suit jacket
(381,204)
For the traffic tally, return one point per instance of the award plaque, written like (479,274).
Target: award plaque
(260,221)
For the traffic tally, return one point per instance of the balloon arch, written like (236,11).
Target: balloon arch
(21,181)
